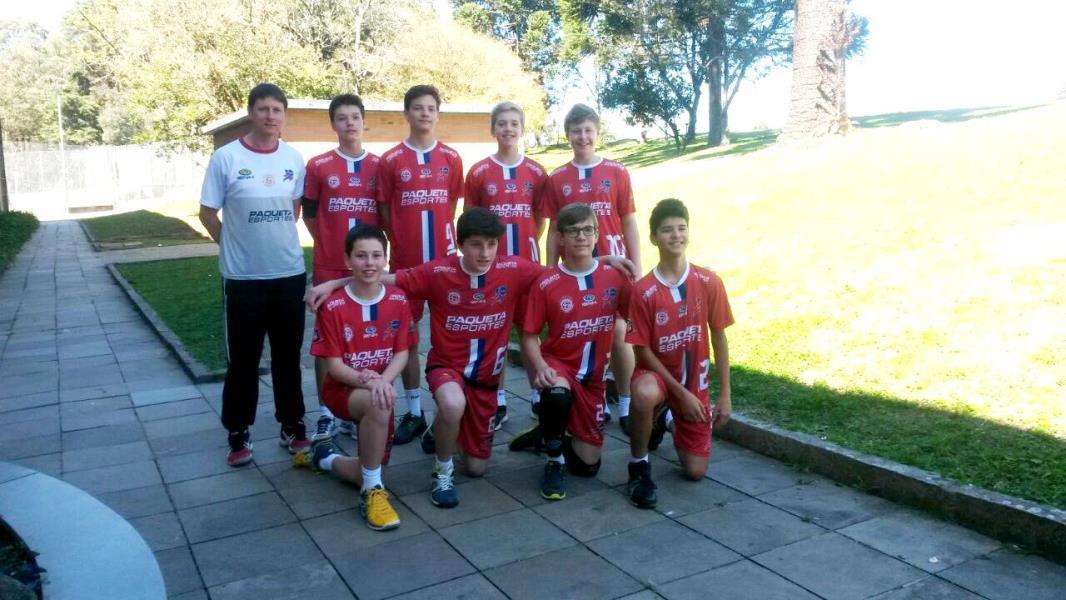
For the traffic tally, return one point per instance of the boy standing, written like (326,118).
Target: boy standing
(604,185)
(510,185)
(420,182)
(257,181)
(672,307)
(579,300)
(361,336)
(340,192)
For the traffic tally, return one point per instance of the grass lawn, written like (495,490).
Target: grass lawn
(187,294)
(147,227)
(15,229)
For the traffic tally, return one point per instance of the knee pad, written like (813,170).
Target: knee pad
(575,465)
(554,416)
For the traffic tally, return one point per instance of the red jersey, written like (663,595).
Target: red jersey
(346,190)
(515,194)
(672,321)
(470,315)
(366,335)
(580,309)
(420,189)
(606,188)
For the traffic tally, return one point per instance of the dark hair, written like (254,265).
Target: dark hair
(572,214)
(364,231)
(478,221)
(579,113)
(671,207)
(417,92)
(266,90)
(346,100)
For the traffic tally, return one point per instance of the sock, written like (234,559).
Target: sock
(501,398)
(326,464)
(534,396)
(446,466)
(559,459)
(669,418)
(633,459)
(371,478)
(414,402)
(623,406)
(609,376)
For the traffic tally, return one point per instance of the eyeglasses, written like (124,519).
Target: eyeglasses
(574,232)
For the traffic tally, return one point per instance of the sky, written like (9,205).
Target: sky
(921,55)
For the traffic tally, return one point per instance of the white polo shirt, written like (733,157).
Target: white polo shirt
(255,191)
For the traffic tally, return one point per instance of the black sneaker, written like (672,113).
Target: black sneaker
(640,486)
(499,418)
(325,427)
(527,440)
(553,487)
(658,430)
(428,442)
(623,422)
(240,448)
(409,428)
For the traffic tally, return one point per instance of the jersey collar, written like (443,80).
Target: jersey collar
(351,158)
(592,166)
(363,302)
(595,265)
(521,157)
(462,267)
(680,282)
(413,149)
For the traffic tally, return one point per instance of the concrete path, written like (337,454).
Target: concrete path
(89,394)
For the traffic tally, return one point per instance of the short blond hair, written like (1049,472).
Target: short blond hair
(579,114)
(506,106)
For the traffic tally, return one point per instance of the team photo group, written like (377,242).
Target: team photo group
(390,242)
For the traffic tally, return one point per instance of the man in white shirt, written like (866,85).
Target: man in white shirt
(256,181)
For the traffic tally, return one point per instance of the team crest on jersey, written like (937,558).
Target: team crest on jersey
(511,187)
(528,187)
(372,182)
(405,175)
(354,181)
(566,190)
(288,175)
(393,328)
(269,180)
(605,185)
(333,181)
(566,304)
(586,187)
(490,189)
(443,172)
(501,292)
(244,174)
(425,173)
(683,311)
(370,332)
(661,317)
(588,300)
(348,334)
(454,297)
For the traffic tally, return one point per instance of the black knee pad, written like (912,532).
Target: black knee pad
(554,412)
(575,465)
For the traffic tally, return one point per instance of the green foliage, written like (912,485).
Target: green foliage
(15,229)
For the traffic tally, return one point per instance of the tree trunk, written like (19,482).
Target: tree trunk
(716,132)
(817,107)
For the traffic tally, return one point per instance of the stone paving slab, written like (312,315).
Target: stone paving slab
(126,424)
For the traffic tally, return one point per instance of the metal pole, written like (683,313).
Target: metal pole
(62,151)
(4,204)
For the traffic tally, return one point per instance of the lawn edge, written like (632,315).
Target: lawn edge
(195,369)
(1037,526)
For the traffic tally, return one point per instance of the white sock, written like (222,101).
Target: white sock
(326,464)
(534,396)
(669,418)
(633,459)
(371,478)
(609,376)
(414,402)
(325,412)
(623,406)
(559,459)
(501,398)
(606,409)
(444,466)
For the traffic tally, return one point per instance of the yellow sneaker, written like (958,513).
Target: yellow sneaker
(377,511)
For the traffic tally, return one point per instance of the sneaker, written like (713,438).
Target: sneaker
(321,447)
(294,437)
(499,418)
(553,486)
(326,426)
(640,486)
(240,449)
(444,494)
(429,443)
(527,440)
(346,428)
(409,428)
(375,508)
(658,430)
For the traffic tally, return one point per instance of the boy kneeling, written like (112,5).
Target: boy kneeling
(362,333)
(672,307)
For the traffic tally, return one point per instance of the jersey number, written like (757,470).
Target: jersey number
(615,247)
(352,223)
(450,237)
(705,368)
(501,354)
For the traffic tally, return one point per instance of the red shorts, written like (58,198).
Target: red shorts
(690,438)
(475,428)
(335,398)
(586,405)
(324,274)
